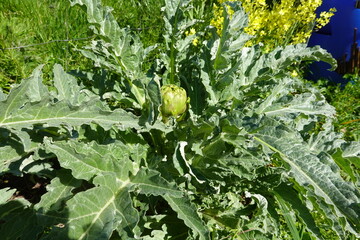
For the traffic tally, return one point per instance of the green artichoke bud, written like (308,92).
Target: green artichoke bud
(174,101)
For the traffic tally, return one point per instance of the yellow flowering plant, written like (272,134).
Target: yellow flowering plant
(191,32)
(279,23)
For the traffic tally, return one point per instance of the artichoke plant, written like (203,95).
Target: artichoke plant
(174,101)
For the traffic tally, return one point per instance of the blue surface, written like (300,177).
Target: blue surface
(337,37)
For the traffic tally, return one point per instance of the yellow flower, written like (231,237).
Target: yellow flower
(285,22)
(191,32)
(324,18)
(195,42)
(294,73)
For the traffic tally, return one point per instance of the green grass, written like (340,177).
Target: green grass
(27,23)
(31,23)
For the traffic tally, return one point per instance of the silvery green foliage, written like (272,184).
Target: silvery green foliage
(245,158)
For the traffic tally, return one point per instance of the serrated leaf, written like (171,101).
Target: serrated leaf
(2,95)
(95,213)
(8,155)
(282,101)
(5,194)
(86,160)
(319,179)
(59,114)
(187,212)
(30,165)
(18,221)
(282,57)
(125,46)
(119,50)
(351,151)
(232,39)
(30,90)
(291,197)
(23,109)
(58,192)
(67,87)
(24,137)
(347,165)
(243,166)
(221,59)
(11,155)
(151,183)
(95,52)
(327,140)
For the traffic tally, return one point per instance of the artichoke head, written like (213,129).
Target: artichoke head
(174,101)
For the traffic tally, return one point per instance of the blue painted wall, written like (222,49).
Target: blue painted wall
(337,37)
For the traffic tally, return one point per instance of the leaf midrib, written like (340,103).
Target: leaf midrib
(295,166)
(111,200)
(47,120)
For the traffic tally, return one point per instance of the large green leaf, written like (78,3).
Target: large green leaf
(291,198)
(97,212)
(119,50)
(126,47)
(59,191)
(226,48)
(348,159)
(17,219)
(74,95)
(150,182)
(325,141)
(283,57)
(222,57)
(116,172)
(352,151)
(30,104)
(187,212)
(10,154)
(86,160)
(282,101)
(6,193)
(321,180)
